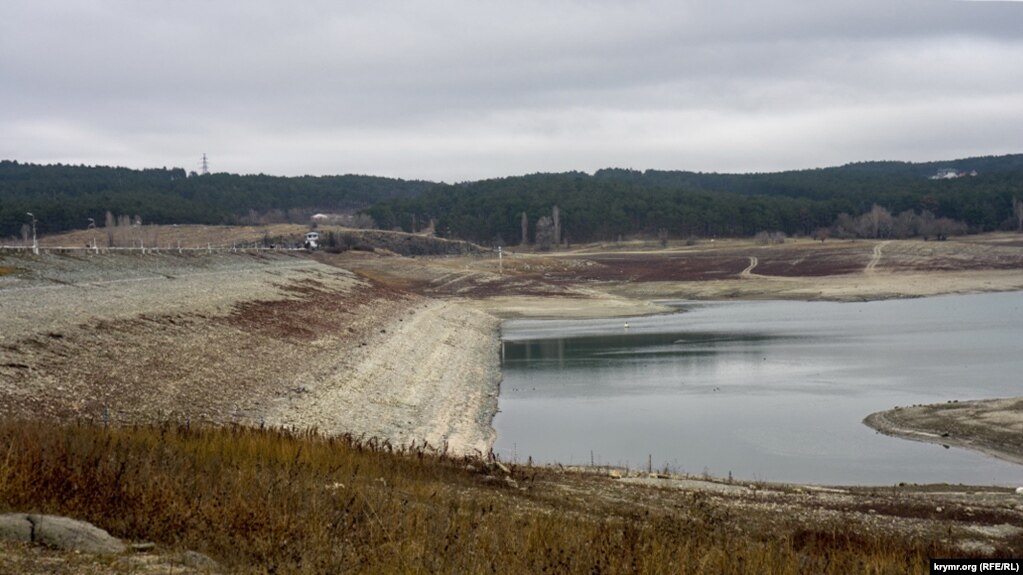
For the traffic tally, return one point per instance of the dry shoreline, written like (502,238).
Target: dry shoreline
(843,288)
(991,426)
(297,342)
(254,340)
(405,349)
(433,380)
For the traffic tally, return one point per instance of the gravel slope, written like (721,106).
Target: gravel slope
(236,338)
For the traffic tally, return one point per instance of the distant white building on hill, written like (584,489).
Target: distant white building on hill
(951,174)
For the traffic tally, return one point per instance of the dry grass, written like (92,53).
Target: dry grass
(268,501)
(169,237)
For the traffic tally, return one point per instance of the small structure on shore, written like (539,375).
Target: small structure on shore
(312,240)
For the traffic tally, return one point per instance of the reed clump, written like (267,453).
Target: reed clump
(274,501)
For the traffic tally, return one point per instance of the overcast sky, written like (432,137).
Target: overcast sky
(459,90)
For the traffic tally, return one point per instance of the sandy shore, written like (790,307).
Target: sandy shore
(992,426)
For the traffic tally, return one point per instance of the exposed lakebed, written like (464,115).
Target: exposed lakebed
(771,391)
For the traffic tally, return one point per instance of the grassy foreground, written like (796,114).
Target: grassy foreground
(270,501)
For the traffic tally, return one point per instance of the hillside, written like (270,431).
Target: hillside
(604,206)
(65,197)
(617,203)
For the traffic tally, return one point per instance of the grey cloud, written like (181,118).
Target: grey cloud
(463,89)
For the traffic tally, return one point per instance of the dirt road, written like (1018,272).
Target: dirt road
(876,259)
(748,272)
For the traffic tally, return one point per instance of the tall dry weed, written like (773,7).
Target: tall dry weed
(272,501)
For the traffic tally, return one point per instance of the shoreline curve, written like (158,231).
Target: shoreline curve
(989,426)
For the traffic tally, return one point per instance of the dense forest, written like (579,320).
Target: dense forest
(65,197)
(612,203)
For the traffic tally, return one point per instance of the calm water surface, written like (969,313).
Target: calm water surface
(771,391)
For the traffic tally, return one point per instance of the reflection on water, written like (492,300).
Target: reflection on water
(763,390)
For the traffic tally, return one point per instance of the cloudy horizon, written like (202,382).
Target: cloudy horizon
(457,90)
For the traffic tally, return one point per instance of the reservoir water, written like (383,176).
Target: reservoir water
(772,391)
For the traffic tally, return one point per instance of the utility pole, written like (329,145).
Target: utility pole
(205,165)
(35,244)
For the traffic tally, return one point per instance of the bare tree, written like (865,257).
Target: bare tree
(662,237)
(767,238)
(845,226)
(877,223)
(925,225)
(252,218)
(298,215)
(880,222)
(556,216)
(905,224)
(544,233)
(863,227)
(946,228)
(366,222)
(1017,210)
(525,229)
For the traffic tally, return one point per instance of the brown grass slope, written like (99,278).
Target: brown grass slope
(264,501)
